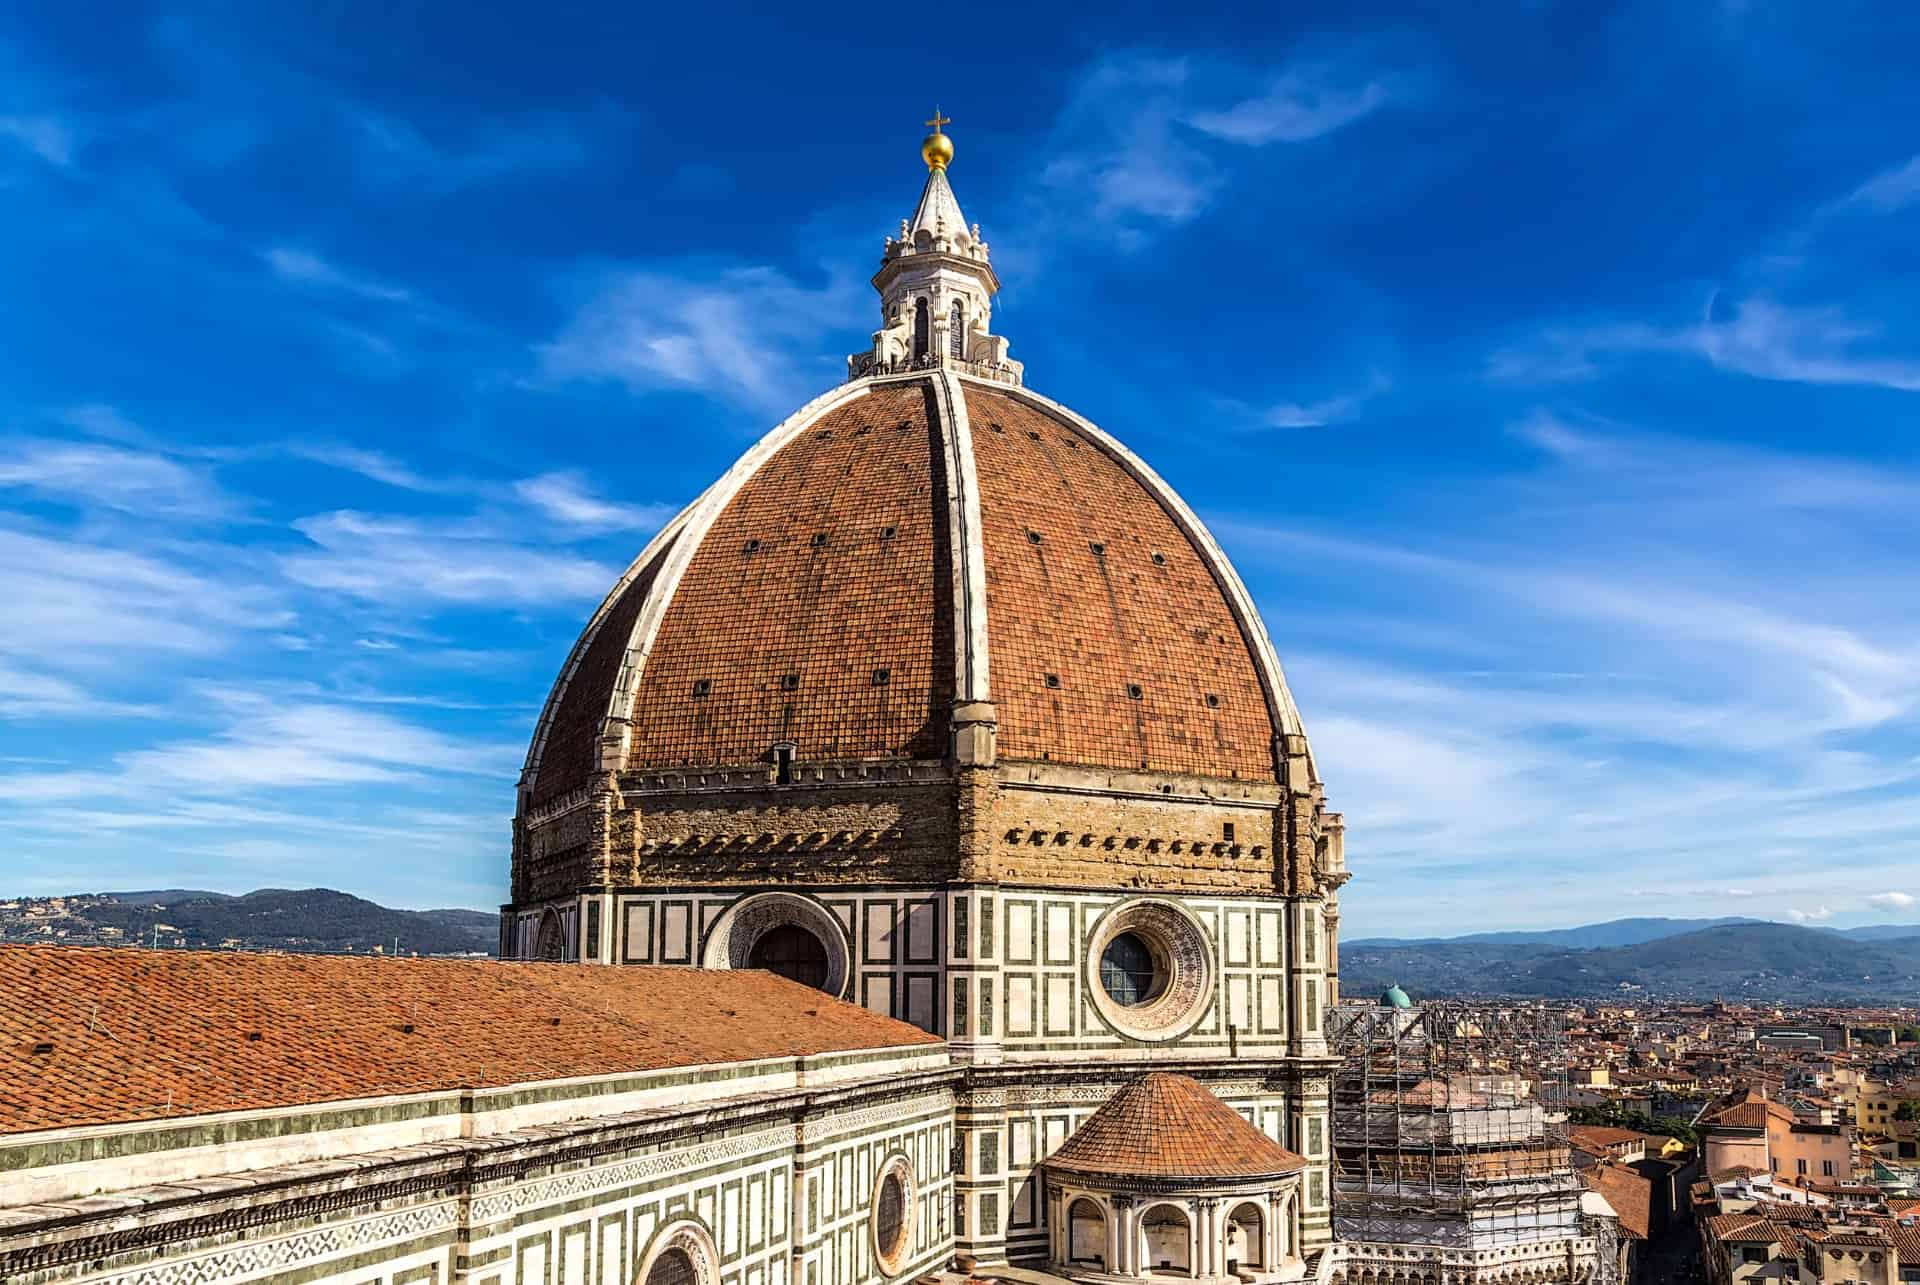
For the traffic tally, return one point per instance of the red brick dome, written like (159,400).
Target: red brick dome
(902,546)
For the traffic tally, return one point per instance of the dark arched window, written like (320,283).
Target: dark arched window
(1129,971)
(673,1267)
(957,332)
(793,953)
(921,326)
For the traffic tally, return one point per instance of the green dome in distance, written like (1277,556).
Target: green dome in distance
(1394,997)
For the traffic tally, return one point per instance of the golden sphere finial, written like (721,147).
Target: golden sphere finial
(937,149)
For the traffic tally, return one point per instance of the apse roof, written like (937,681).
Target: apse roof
(1170,1127)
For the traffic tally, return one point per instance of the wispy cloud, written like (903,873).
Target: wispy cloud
(379,466)
(396,152)
(1303,104)
(1815,915)
(304,267)
(75,603)
(1316,414)
(1889,190)
(564,497)
(268,743)
(91,474)
(1691,720)
(1757,336)
(744,335)
(1148,138)
(400,560)
(1892,901)
(47,137)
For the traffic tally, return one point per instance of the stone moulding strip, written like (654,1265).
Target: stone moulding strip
(97,1228)
(699,520)
(116,1141)
(971,654)
(1280,706)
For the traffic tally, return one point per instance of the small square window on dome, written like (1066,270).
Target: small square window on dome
(1136,692)
(1033,537)
(1053,680)
(702,687)
(887,532)
(1159,559)
(789,682)
(819,539)
(1099,549)
(750,547)
(881,677)
(1213,700)
(995,427)
(1033,436)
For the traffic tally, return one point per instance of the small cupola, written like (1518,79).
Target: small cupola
(936,284)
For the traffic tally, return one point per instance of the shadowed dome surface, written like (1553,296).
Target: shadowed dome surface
(904,544)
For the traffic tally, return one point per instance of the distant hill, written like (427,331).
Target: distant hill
(1744,960)
(312,919)
(1614,932)
(1881,932)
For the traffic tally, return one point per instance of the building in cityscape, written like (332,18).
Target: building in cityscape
(941,707)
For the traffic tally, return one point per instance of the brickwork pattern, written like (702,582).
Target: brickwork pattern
(848,578)
(572,751)
(1104,623)
(1061,839)
(95,1036)
(792,835)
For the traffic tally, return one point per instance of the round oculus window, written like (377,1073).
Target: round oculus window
(1130,973)
(892,1217)
(1149,969)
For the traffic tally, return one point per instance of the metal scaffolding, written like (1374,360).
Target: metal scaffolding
(1450,1126)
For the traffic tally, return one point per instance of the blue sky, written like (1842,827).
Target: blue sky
(1550,373)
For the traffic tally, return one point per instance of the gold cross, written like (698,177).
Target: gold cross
(938,120)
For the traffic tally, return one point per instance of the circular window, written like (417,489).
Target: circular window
(785,933)
(1129,972)
(1150,969)
(892,1216)
(793,953)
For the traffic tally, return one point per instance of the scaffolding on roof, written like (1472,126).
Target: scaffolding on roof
(1450,1126)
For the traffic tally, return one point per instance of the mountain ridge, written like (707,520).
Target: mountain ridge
(304,919)
(1754,961)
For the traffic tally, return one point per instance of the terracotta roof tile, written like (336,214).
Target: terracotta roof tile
(140,1034)
(1144,612)
(1170,1126)
(848,577)
(1630,1195)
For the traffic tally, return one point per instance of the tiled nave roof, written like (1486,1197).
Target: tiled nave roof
(96,1036)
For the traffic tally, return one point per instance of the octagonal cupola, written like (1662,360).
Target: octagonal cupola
(936,284)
